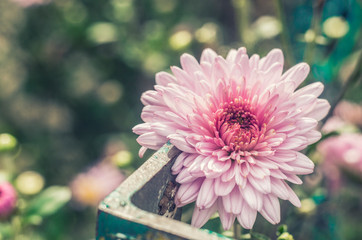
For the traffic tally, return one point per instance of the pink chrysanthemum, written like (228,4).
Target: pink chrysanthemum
(7,199)
(239,123)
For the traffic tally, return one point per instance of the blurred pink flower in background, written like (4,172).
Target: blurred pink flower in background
(334,124)
(89,188)
(239,123)
(344,151)
(349,112)
(7,199)
(346,116)
(28,3)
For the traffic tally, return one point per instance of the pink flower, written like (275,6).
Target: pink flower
(239,123)
(7,199)
(349,112)
(28,3)
(347,116)
(91,187)
(334,123)
(343,151)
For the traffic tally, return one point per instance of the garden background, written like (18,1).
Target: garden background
(71,76)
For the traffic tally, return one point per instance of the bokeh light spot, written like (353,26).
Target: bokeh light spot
(122,158)
(102,32)
(29,183)
(266,27)
(335,27)
(110,92)
(123,10)
(154,62)
(307,206)
(7,142)
(180,40)
(309,36)
(165,6)
(207,33)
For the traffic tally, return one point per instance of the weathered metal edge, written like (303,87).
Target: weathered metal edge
(119,205)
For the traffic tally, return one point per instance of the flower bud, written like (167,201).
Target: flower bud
(7,199)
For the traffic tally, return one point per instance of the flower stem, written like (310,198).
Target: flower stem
(315,28)
(286,44)
(242,13)
(237,231)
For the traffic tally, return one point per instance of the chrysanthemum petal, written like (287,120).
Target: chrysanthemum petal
(232,201)
(273,73)
(283,191)
(196,167)
(247,216)
(188,192)
(293,198)
(293,178)
(181,143)
(296,74)
(142,151)
(142,128)
(315,89)
(208,55)
(252,197)
(262,185)
(207,196)
(229,174)
(189,63)
(214,167)
(151,97)
(200,216)
(164,78)
(151,140)
(227,219)
(240,177)
(178,164)
(279,188)
(274,56)
(223,188)
(302,165)
(271,209)
(185,177)
(313,136)
(320,111)
(292,143)
(305,125)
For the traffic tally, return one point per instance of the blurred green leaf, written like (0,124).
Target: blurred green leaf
(7,142)
(5,231)
(281,229)
(48,202)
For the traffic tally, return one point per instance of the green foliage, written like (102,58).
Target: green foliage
(7,142)
(283,234)
(72,72)
(47,202)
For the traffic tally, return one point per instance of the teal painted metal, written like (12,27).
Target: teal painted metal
(142,206)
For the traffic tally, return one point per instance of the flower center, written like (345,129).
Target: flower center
(238,127)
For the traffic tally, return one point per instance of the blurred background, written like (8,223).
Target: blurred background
(72,72)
